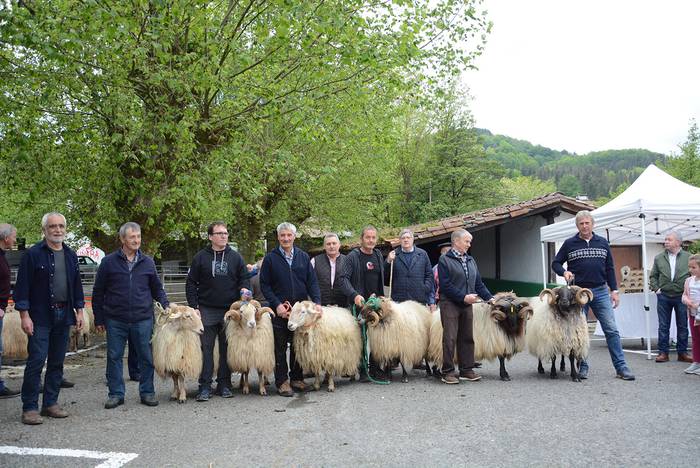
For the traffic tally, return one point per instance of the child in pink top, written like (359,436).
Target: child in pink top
(691,298)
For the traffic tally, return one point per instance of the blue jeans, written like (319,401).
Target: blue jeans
(47,345)
(664,305)
(603,311)
(139,333)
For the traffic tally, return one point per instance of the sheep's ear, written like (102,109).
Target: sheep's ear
(584,296)
(547,292)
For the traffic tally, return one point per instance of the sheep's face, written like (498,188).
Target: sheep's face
(247,314)
(303,314)
(185,318)
(567,299)
(510,310)
(375,317)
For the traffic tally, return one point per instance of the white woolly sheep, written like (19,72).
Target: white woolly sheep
(499,331)
(177,350)
(558,326)
(398,331)
(14,340)
(81,338)
(251,343)
(329,341)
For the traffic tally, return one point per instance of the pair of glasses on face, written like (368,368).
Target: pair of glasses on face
(219,233)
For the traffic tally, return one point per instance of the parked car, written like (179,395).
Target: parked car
(88,267)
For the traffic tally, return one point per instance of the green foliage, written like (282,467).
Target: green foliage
(686,165)
(524,188)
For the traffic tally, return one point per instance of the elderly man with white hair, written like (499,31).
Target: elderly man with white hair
(286,277)
(412,273)
(49,297)
(667,278)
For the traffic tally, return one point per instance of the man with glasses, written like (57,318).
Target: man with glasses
(125,287)
(217,278)
(49,298)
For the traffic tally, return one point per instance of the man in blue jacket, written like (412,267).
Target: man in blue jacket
(412,274)
(122,299)
(460,287)
(286,277)
(589,264)
(49,297)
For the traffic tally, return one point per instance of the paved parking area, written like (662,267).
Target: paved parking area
(530,421)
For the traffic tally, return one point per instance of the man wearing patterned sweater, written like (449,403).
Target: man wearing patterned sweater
(589,264)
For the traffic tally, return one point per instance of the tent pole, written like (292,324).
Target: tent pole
(544,267)
(646,285)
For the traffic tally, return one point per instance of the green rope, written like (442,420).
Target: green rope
(373,303)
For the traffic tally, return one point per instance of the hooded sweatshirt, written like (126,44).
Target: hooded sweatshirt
(215,278)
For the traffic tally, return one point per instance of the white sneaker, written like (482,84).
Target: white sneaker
(693,369)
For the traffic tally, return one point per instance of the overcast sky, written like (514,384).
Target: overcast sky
(590,75)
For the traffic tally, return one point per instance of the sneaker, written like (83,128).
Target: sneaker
(149,400)
(225,392)
(469,375)
(692,368)
(54,411)
(583,373)
(7,393)
(450,379)
(203,395)
(625,374)
(31,418)
(113,402)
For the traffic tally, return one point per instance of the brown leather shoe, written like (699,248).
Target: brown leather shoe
(299,385)
(31,418)
(469,375)
(662,357)
(54,411)
(285,390)
(684,358)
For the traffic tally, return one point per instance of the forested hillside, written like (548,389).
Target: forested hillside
(595,174)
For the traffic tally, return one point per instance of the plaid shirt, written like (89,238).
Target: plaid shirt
(462,258)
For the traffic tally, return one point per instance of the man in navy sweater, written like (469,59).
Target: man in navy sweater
(589,264)
(413,274)
(286,277)
(122,299)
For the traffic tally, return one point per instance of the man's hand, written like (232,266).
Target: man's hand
(79,322)
(568,276)
(100,328)
(471,299)
(432,307)
(319,309)
(615,299)
(282,311)
(392,255)
(2,313)
(27,324)
(359,301)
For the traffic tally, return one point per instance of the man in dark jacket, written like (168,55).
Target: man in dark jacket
(460,287)
(49,297)
(217,278)
(125,287)
(589,260)
(286,277)
(412,274)
(328,266)
(363,276)
(8,236)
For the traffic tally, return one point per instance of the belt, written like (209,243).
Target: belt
(58,305)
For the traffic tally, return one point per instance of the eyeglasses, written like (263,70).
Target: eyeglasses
(219,233)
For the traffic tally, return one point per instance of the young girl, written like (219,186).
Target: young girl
(691,298)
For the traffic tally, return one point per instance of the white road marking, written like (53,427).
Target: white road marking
(72,353)
(111,459)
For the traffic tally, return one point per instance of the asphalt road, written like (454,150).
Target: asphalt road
(530,421)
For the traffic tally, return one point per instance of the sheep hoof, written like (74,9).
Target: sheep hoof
(263,392)
(404,379)
(552,376)
(181,402)
(575,379)
(246,391)
(505,378)
(317,387)
(331,389)
(173,398)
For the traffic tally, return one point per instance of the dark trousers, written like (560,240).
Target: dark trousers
(47,345)
(457,330)
(133,361)
(283,337)
(665,305)
(223,375)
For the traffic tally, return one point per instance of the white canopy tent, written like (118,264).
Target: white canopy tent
(653,205)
